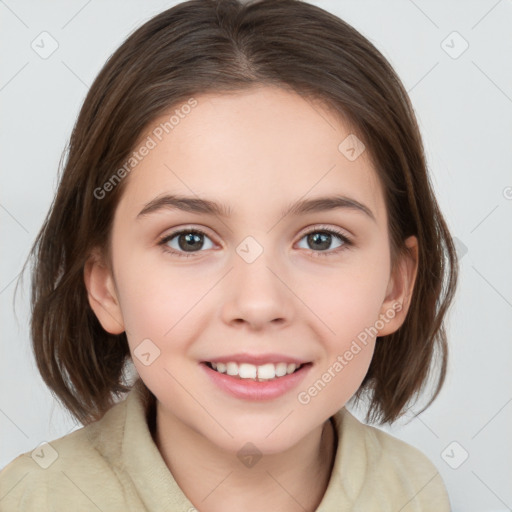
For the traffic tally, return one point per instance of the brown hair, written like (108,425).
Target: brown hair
(223,46)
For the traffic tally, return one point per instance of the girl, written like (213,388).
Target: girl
(278,140)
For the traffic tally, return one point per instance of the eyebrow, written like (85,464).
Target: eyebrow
(208,207)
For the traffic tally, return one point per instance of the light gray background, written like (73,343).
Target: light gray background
(464,107)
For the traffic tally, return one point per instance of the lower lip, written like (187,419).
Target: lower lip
(252,390)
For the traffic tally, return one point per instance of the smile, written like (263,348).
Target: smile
(268,371)
(255,383)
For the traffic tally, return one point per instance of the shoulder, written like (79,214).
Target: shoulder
(395,452)
(397,472)
(59,473)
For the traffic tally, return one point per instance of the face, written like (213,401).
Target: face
(191,287)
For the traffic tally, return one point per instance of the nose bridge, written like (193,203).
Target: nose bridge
(255,266)
(257,293)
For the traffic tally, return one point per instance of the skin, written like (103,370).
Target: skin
(257,151)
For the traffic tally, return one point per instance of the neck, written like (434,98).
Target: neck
(214,480)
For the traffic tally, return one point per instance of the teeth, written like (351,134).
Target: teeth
(267,371)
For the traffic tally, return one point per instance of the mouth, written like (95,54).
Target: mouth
(256,373)
(255,383)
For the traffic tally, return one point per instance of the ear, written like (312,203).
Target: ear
(102,293)
(400,287)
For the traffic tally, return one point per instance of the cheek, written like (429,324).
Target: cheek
(156,296)
(349,347)
(349,305)
(158,311)
(348,300)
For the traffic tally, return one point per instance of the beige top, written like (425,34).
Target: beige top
(114,465)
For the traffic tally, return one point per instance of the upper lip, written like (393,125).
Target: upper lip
(256,359)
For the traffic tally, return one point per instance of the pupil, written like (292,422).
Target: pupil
(190,239)
(324,240)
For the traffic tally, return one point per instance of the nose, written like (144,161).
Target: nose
(257,294)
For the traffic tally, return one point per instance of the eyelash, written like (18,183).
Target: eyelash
(347,242)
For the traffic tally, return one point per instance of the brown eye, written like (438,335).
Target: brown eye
(187,241)
(320,241)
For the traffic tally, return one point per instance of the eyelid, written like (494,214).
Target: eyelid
(174,232)
(186,227)
(327,227)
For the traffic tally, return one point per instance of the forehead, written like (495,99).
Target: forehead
(253,149)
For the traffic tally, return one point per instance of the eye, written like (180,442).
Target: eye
(322,238)
(190,241)
(187,241)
